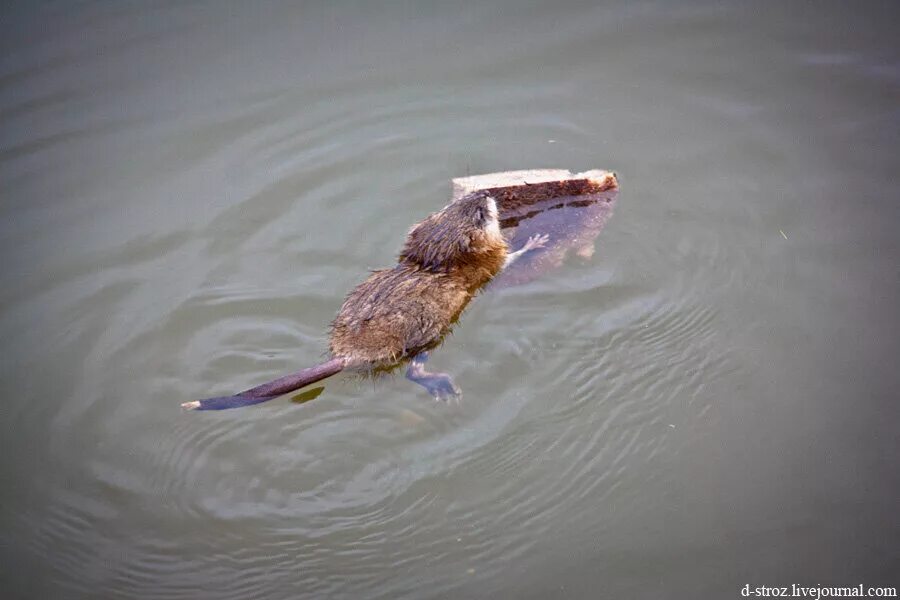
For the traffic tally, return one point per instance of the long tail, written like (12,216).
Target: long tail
(273,389)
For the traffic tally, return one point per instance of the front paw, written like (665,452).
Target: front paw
(536,241)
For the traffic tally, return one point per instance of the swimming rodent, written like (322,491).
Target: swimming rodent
(399,314)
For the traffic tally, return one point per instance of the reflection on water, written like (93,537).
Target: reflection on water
(571,222)
(190,189)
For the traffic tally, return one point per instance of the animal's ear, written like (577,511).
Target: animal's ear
(480,216)
(464,244)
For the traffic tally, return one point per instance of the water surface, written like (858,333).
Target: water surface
(710,400)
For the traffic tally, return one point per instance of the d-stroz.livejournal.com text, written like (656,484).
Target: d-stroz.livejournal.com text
(816,591)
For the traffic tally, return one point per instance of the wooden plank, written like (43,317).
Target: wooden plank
(514,190)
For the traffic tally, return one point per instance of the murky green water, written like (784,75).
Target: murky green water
(189,189)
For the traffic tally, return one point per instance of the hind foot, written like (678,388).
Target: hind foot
(439,385)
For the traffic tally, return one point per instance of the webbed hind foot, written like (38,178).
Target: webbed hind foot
(439,385)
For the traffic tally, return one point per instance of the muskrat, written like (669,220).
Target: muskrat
(397,315)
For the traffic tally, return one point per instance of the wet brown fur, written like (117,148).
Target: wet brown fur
(399,312)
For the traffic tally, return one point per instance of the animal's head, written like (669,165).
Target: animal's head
(455,234)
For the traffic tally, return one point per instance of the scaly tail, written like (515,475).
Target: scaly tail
(271,390)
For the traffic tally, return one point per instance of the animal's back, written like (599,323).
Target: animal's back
(395,314)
